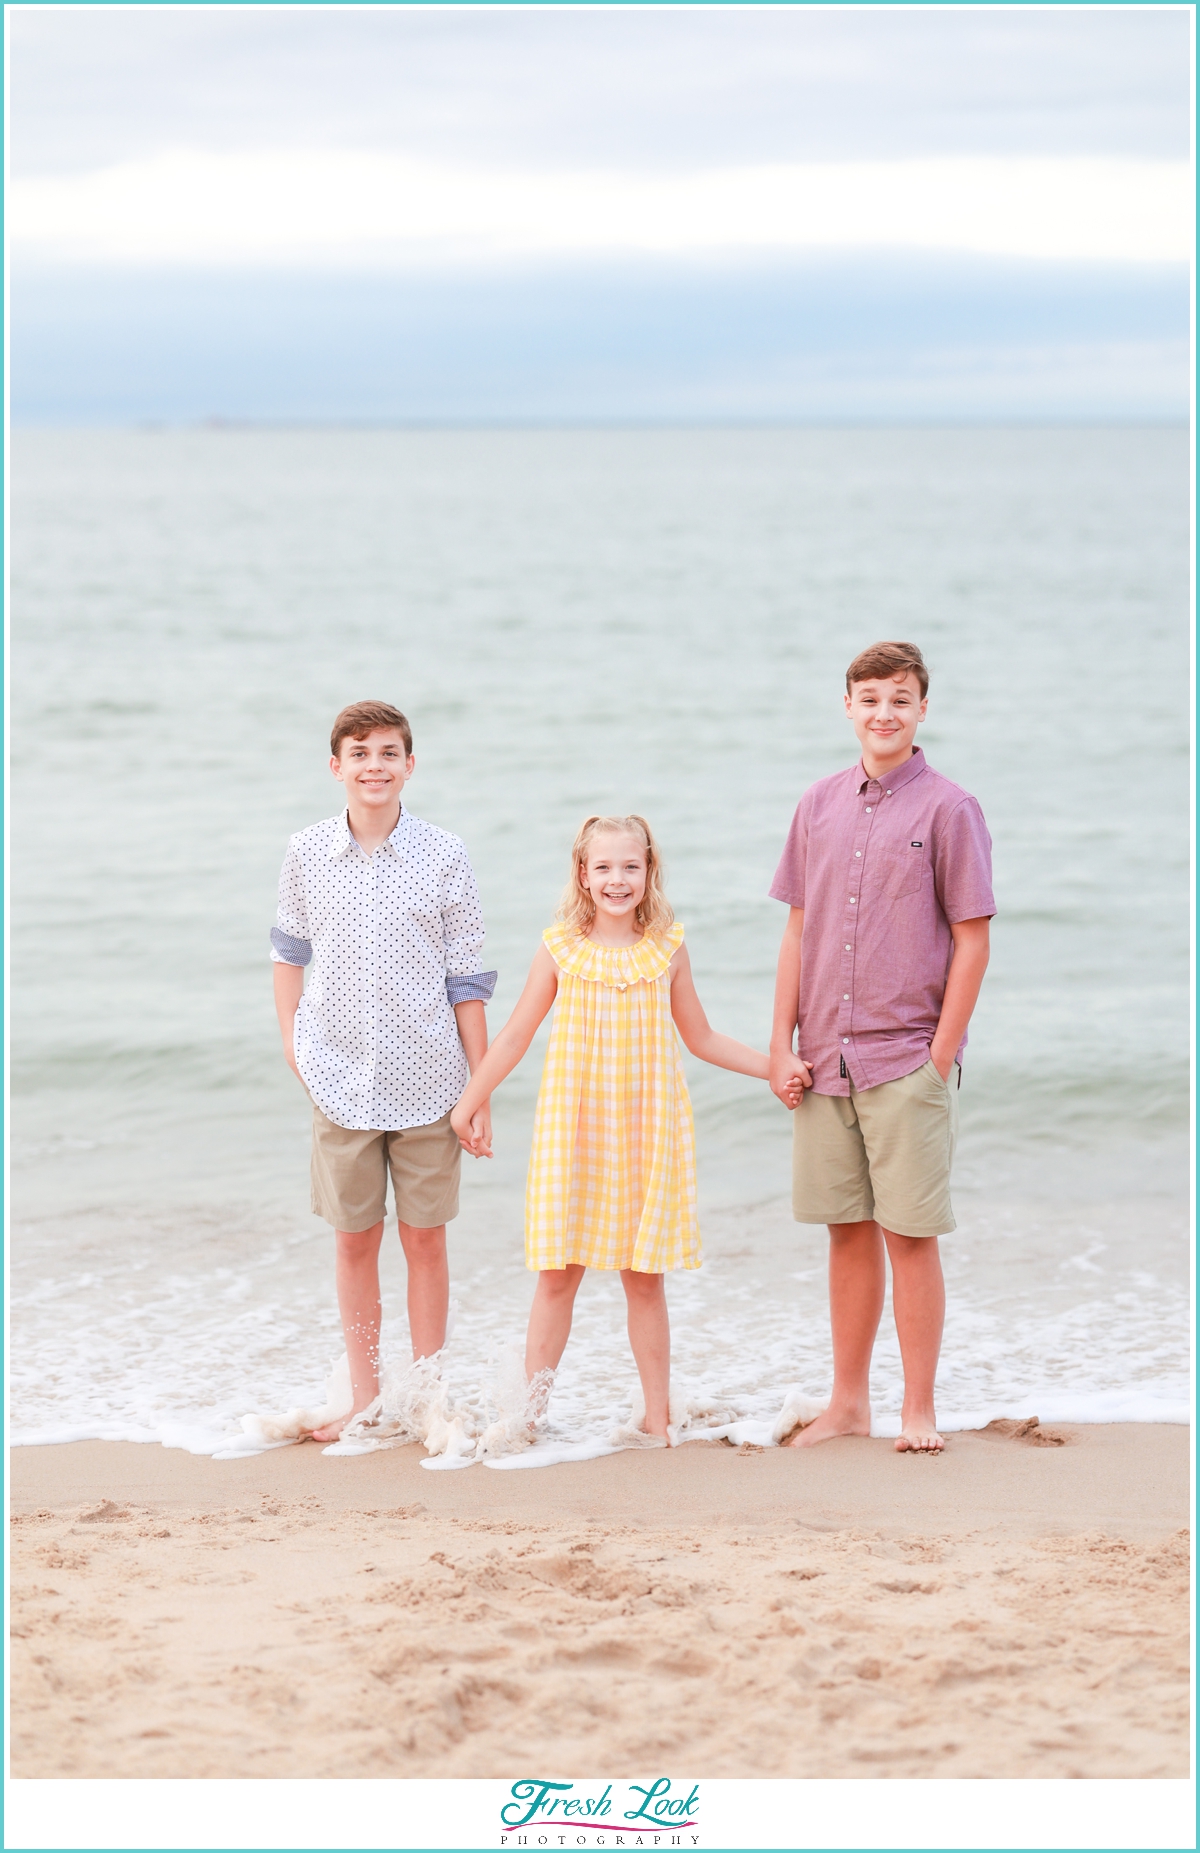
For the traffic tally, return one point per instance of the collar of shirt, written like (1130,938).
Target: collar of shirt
(901,776)
(345,840)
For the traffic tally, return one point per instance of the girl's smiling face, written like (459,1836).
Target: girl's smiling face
(615,877)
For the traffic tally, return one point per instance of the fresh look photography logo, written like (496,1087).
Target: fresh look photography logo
(662,1813)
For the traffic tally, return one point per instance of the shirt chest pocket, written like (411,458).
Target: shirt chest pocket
(905,866)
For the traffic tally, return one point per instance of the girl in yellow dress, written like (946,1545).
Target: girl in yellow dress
(612,1179)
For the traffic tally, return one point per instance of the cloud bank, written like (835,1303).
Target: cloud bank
(668,212)
(337,206)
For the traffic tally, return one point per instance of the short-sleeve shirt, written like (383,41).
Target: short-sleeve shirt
(882,869)
(394,940)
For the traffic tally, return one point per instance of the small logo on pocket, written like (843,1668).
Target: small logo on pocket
(916,846)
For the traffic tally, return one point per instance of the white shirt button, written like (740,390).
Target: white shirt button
(847,948)
(858,852)
(868,810)
(852,900)
(845,1038)
(845,997)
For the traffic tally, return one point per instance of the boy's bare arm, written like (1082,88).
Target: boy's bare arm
(289,988)
(970,961)
(471,1018)
(787,1008)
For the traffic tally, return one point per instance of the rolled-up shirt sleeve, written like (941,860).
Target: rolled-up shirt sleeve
(290,943)
(462,936)
(286,949)
(471,987)
(462,919)
(962,871)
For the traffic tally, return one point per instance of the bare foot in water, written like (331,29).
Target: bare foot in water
(332,1430)
(919,1436)
(829,1425)
(633,1435)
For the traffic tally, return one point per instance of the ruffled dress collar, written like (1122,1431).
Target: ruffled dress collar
(615,966)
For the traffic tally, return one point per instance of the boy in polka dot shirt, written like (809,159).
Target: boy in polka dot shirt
(385,909)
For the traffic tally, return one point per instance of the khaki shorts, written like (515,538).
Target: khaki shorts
(882,1154)
(350,1173)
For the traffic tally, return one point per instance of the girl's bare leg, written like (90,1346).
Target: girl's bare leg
(358,1302)
(650,1340)
(550,1318)
(856,1284)
(428,1287)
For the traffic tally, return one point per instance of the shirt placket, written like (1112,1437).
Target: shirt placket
(373,879)
(868,805)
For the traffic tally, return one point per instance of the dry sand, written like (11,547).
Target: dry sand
(1005,1610)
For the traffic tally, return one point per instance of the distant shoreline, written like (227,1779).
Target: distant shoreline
(218,422)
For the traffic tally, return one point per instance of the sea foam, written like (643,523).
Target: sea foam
(220,1360)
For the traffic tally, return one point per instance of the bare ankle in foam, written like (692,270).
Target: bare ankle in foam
(797,1412)
(523,1404)
(632,1434)
(413,1405)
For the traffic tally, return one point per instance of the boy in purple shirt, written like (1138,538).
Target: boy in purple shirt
(887,873)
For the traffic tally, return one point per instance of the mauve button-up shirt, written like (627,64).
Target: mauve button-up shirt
(882,869)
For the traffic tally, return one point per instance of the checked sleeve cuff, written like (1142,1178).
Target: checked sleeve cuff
(469,987)
(286,950)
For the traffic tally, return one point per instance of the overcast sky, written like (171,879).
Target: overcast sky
(698,210)
(665,88)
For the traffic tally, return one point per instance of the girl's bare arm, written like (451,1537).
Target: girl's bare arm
(697,1033)
(506,1051)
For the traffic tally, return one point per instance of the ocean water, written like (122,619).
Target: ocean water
(579,620)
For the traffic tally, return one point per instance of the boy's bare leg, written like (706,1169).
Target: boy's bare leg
(650,1340)
(358,1303)
(856,1284)
(428,1287)
(919,1303)
(550,1318)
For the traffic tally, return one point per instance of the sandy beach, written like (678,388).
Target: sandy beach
(1008,1610)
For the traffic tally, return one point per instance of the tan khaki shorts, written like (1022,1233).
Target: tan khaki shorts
(883,1154)
(350,1173)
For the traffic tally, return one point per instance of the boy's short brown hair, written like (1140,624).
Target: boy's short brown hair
(888,659)
(362,718)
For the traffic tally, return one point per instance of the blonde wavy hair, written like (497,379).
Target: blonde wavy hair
(577,908)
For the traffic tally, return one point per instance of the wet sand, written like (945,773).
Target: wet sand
(1008,1609)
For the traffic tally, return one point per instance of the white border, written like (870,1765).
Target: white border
(447,1813)
(1193,993)
(851,1813)
(6,975)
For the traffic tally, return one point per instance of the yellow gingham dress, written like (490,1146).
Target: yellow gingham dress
(612,1172)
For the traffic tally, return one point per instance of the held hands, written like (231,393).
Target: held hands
(474,1129)
(788,1078)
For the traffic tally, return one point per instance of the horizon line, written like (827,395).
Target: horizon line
(218,422)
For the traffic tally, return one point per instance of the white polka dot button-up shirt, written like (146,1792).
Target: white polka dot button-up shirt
(394,941)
